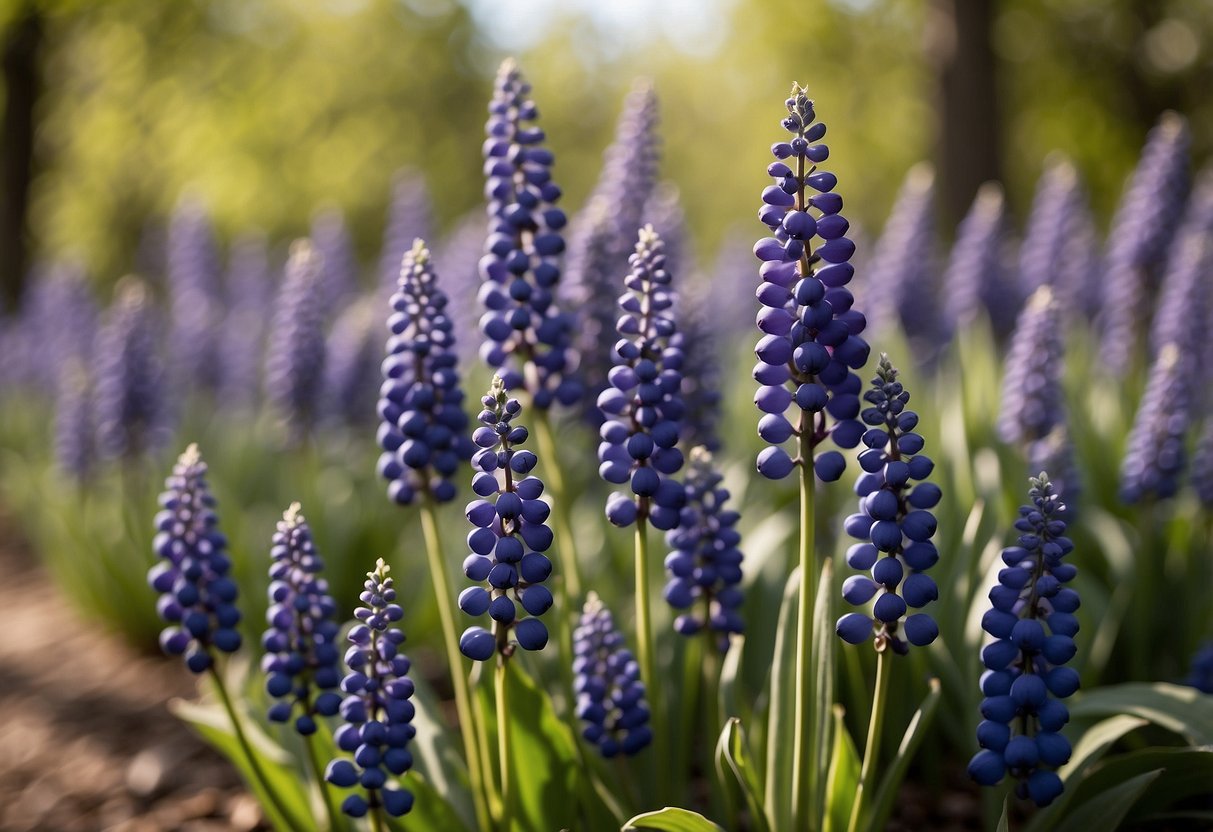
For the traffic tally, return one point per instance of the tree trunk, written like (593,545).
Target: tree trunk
(19,57)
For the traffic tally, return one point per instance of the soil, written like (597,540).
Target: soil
(86,742)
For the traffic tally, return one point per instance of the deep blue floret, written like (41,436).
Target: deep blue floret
(377,708)
(1032,622)
(423,427)
(810,343)
(1200,674)
(610,694)
(509,537)
(894,524)
(301,649)
(197,597)
(642,408)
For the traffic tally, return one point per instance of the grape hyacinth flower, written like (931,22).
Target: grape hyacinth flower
(339,266)
(509,538)
(529,339)
(301,650)
(197,598)
(409,219)
(642,407)
(1155,456)
(57,323)
(1200,674)
(1184,299)
(74,444)
(352,373)
(903,269)
(610,693)
(1053,241)
(195,297)
(250,292)
(1026,677)
(730,285)
(810,341)
(975,278)
(705,563)
(295,351)
(420,401)
(457,259)
(131,413)
(699,336)
(664,212)
(1202,465)
(377,708)
(895,524)
(1140,240)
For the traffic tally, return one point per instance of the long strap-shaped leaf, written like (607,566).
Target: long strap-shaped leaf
(778,787)
(733,754)
(882,806)
(671,820)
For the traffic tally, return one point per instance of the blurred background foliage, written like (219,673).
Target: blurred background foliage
(268,109)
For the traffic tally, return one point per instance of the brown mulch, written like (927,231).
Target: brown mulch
(86,742)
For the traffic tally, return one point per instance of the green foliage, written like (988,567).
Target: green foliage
(671,820)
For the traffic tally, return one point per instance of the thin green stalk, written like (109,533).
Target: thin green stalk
(803,748)
(503,745)
(376,819)
(246,747)
(644,617)
(468,726)
(561,504)
(867,771)
(318,772)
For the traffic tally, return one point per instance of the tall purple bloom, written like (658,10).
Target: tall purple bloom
(409,219)
(301,648)
(377,708)
(664,212)
(1026,677)
(903,271)
(57,324)
(704,563)
(352,374)
(1202,466)
(1184,299)
(197,598)
(420,400)
(1154,459)
(1139,238)
(457,259)
(731,283)
(74,439)
(894,523)
(130,409)
(509,537)
(699,337)
(339,269)
(975,280)
(610,692)
(1054,251)
(642,408)
(810,342)
(250,291)
(529,339)
(294,369)
(195,297)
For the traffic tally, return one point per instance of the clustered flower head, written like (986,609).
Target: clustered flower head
(1200,673)
(610,694)
(976,280)
(250,292)
(530,340)
(1056,247)
(421,402)
(73,433)
(895,524)
(339,269)
(195,295)
(409,218)
(1033,625)
(353,365)
(642,407)
(903,269)
(810,341)
(301,651)
(509,538)
(705,564)
(377,709)
(197,598)
(131,414)
(1154,460)
(295,352)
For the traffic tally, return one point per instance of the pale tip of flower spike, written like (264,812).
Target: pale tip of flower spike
(1042,298)
(648,235)
(921,177)
(381,570)
(990,199)
(1172,124)
(419,252)
(191,455)
(293,514)
(1168,357)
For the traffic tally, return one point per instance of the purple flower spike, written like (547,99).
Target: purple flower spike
(664,212)
(458,261)
(1139,240)
(642,410)
(339,269)
(352,375)
(196,297)
(528,339)
(810,344)
(894,524)
(409,219)
(250,292)
(377,709)
(420,401)
(903,268)
(1200,674)
(1184,299)
(131,413)
(1033,625)
(976,281)
(1202,466)
(301,649)
(74,439)
(610,693)
(1056,248)
(1155,456)
(698,336)
(57,323)
(509,537)
(705,564)
(294,371)
(197,598)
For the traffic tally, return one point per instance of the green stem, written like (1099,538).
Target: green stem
(803,747)
(503,745)
(377,819)
(561,504)
(871,749)
(463,700)
(318,772)
(241,738)
(644,618)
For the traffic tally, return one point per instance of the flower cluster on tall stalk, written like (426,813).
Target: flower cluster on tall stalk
(377,708)
(809,348)
(250,293)
(339,266)
(352,365)
(294,358)
(610,692)
(408,219)
(976,281)
(1033,625)
(1154,459)
(74,439)
(195,297)
(1055,251)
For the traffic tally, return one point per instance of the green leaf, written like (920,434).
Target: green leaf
(731,702)
(436,756)
(844,777)
(777,797)
(430,810)
(671,820)
(1004,822)
(1182,710)
(732,753)
(1107,810)
(214,726)
(882,806)
(1186,772)
(822,674)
